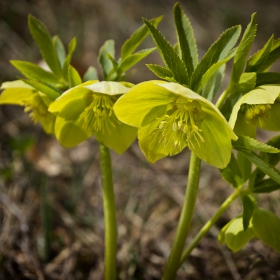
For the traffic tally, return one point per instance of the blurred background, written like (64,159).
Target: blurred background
(41,181)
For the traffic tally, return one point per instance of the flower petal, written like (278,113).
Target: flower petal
(132,107)
(118,138)
(110,88)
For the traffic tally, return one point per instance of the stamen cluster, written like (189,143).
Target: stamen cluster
(182,122)
(257,113)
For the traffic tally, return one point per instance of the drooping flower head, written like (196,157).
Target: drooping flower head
(171,117)
(35,102)
(259,107)
(87,110)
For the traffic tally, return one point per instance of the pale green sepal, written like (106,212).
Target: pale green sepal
(109,88)
(76,93)
(132,107)
(16,92)
(118,138)
(68,131)
(267,227)
(235,236)
(273,123)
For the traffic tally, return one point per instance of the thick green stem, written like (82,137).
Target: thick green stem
(205,229)
(109,213)
(185,219)
(222,98)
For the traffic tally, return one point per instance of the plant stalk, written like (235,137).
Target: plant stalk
(205,229)
(109,207)
(185,219)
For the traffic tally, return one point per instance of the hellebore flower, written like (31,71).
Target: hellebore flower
(86,110)
(170,117)
(259,107)
(36,103)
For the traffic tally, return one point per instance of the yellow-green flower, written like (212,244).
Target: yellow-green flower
(87,110)
(35,102)
(170,117)
(259,107)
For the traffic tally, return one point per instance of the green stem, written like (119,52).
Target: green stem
(46,219)
(222,98)
(205,229)
(185,219)
(109,213)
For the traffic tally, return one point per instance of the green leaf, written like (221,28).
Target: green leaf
(247,143)
(74,77)
(103,59)
(91,74)
(47,90)
(247,82)
(243,49)
(61,53)
(44,41)
(214,83)
(35,72)
(232,173)
(265,186)
(267,78)
(235,236)
(169,55)
(71,48)
(211,71)
(132,59)
(137,38)
(161,72)
(268,169)
(217,52)
(267,227)
(186,38)
(256,63)
(248,208)
(273,56)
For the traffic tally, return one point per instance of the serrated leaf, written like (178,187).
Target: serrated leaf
(272,159)
(211,71)
(247,143)
(186,38)
(161,72)
(74,77)
(273,56)
(266,186)
(268,169)
(266,226)
(243,49)
(71,48)
(46,89)
(137,38)
(248,208)
(169,55)
(256,63)
(103,59)
(267,78)
(44,41)
(232,173)
(132,59)
(35,72)
(217,52)
(61,53)
(91,74)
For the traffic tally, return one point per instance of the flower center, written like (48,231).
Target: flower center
(36,109)
(99,115)
(182,123)
(257,113)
